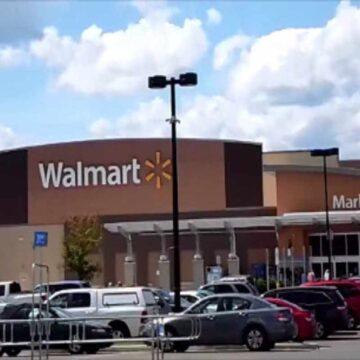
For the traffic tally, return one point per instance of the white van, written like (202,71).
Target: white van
(110,302)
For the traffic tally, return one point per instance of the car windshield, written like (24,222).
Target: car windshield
(204,293)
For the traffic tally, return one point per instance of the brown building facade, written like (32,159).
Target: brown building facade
(128,180)
(294,184)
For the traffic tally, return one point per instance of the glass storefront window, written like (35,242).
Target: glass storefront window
(353,244)
(316,267)
(340,269)
(339,245)
(314,242)
(325,246)
(353,269)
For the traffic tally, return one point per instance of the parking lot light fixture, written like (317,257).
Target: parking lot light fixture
(324,153)
(160,82)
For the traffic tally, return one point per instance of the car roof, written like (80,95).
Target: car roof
(330,283)
(244,296)
(227,282)
(64,282)
(299,288)
(108,289)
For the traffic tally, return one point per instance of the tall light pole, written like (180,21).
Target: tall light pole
(324,153)
(160,82)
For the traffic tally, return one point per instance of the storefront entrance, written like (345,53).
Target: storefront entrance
(346,254)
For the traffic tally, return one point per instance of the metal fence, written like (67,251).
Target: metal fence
(40,331)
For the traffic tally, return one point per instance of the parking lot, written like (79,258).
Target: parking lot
(344,345)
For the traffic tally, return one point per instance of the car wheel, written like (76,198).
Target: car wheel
(255,339)
(320,332)
(119,331)
(351,322)
(12,352)
(74,348)
(296,332)
(172,346)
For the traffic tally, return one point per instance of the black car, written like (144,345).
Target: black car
(59,330)
(327,304)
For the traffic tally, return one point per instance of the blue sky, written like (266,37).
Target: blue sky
(51,91)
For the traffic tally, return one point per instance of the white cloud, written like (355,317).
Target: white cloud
(119,62)
(8,138)
(225,51)
(148,120)
(10,56)
(293,88)
(214,16)
(158,10)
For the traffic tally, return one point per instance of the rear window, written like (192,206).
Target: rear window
(149,297)
(346,290)
(223,289)
(336,296)
(242,288)
(14,288)
(119,299)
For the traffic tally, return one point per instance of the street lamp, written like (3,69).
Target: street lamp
(160,82)
(324,153)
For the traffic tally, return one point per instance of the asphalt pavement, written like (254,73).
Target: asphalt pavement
(345,345)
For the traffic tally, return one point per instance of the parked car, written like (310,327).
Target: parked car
(243,278)
(230,319)
(61,285)
(351,293)
(14,294)
(226,287)
(327,303)
(163,300)
(60,330)
(192,296)
(110,302)
(304,319)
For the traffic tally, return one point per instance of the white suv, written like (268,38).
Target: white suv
(110,302)
(225,287)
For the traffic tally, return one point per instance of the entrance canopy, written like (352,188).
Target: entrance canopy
(237,223)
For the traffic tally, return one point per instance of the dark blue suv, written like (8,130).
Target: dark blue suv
(327,304)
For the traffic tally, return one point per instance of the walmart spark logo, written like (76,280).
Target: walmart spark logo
(158,170)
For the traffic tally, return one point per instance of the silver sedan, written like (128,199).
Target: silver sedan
(230,319)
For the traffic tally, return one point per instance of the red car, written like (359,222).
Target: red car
(350,290)
(304,319)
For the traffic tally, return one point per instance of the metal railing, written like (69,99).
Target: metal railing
(40,331)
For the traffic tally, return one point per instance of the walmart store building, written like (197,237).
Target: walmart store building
(235,202)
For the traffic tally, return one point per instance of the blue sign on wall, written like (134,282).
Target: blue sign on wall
(40,239)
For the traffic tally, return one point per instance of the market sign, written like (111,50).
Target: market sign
(344,202)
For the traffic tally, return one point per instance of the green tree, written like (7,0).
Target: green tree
(83,237)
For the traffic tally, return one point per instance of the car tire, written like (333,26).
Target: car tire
(174,346)
(12,351)
(75,349)
(255,339)
(351,322)
(120,330)
(320,331)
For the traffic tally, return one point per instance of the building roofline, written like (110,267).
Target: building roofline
(180,139)
(311,169)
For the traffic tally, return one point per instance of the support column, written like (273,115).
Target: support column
(233,259)
(163,262)
(198,261)
(130,278)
